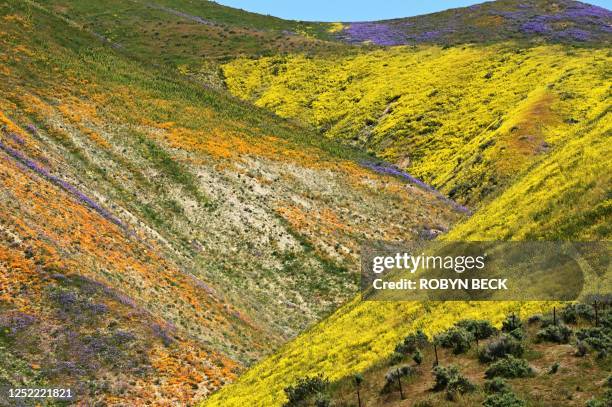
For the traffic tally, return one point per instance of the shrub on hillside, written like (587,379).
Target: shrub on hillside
(411,343)
(506,399)
(509,367)
(457,339)
(301,393)
(555,333)
(450,379)
(554,368)
(581,349)
(572,312)
(480,329)
(597,338)
(391,378)
(499,348)
(605,401)
(417,357)
(496,385)
(511,323)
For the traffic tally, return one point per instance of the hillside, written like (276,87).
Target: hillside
(157,237)
(529,21)
(409,106)
(186,186)
(518,131)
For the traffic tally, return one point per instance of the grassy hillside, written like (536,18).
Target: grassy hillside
(157,237)
(193,37)
(547,369)
(410,106)
(520,133)
(566,196)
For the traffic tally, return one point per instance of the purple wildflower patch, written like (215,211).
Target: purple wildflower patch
(32,165)
(377,33)
(535,27)
(385,168)
(15,322)
(575,34)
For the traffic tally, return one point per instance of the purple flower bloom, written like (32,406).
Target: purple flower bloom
(535,27)
(575,33)
(16,322)
(32,129)
(19,156)
(389,169)
(16,138)
(162,333)
(377,33)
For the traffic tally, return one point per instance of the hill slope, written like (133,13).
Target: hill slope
(565,21)
(526,144)
(157,237)
(411,106)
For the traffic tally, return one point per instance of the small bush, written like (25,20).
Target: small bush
(457,339)
(555,333)
(443,375)
(480,329)
(581,349)
(507,399)
(572,312)
(509,367)
(605,401)
(411,343)
(304,390)
(458,385)
(417,357)
(511,323)
(554,368)
(499,348)
(392,376)
(597,338)
(496,385)
(518,334)
(396,358)
(450,379)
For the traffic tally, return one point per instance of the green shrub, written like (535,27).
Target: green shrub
(581,349)
(458,385)
(518,334)
(391,378)
(417,357)
(396,358)
(305,390)
(457,339)
(572,312)
(499,348)
(605,401)
(509,367)
(450,379)
(442,376)
(597,338)
(511,323)
(496,385)
(554,368)
(555,333)
(411,343)
(480,329)
(506,399)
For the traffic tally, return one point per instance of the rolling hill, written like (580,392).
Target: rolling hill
(157,236)
(186,186)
